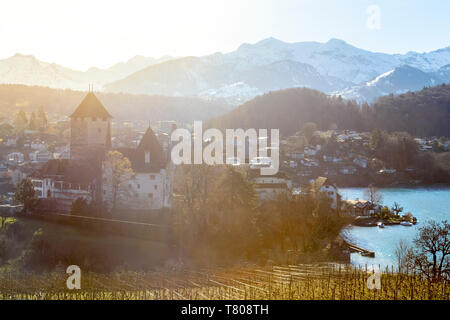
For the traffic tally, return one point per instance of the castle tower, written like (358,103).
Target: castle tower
(90,130)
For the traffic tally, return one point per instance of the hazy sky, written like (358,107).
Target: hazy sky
(84,33)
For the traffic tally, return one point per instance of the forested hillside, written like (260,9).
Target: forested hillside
(121,106)
(423,113)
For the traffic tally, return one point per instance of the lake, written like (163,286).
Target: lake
(423,203)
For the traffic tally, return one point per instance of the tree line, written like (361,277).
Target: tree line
(218,219)
(423,113)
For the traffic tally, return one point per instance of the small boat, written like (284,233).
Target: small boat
(406,223)
(380,225)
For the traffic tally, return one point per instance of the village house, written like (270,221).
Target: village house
(309,162)
(359,207)
(60,182)
(38,144)
(270,187)
(322,186)
(292,164)
(296,155)
(15,157)
(40,156)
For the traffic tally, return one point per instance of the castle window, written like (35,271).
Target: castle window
(147,157)
(150,195)
(156,187)
(139,186)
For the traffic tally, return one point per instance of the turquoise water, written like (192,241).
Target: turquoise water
(423,203)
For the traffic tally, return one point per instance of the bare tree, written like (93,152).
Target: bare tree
(374,195)
(396,209)
(403,252)
(119,170)
(432,258)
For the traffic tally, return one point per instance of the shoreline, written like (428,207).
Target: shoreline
(397,185)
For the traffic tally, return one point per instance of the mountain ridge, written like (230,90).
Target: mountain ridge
(271,64)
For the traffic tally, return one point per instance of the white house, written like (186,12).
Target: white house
(271,187)
(15,157)
(309,162)
(150,188)
(38,145)
(310,151)
(40,156)
(321,186)
(297,155)
(64,181)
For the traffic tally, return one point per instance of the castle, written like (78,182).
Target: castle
(61,181)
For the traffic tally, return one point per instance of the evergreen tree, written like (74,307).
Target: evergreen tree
(20,121)
(42,118)
(32,123)
(25,194)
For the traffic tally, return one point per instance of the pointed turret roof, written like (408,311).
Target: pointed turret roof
(90,107)
(149,143)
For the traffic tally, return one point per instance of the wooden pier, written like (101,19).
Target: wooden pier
(362,251)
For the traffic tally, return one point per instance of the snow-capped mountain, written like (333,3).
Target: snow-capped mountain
(428,61)
(272,64)
(443,73)
(222,76)
(334,58)
(252,69)
(396,81)
(27,70)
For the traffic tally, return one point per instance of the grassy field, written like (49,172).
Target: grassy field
(305,282)
(86,248)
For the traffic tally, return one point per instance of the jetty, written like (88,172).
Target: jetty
(360,250)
